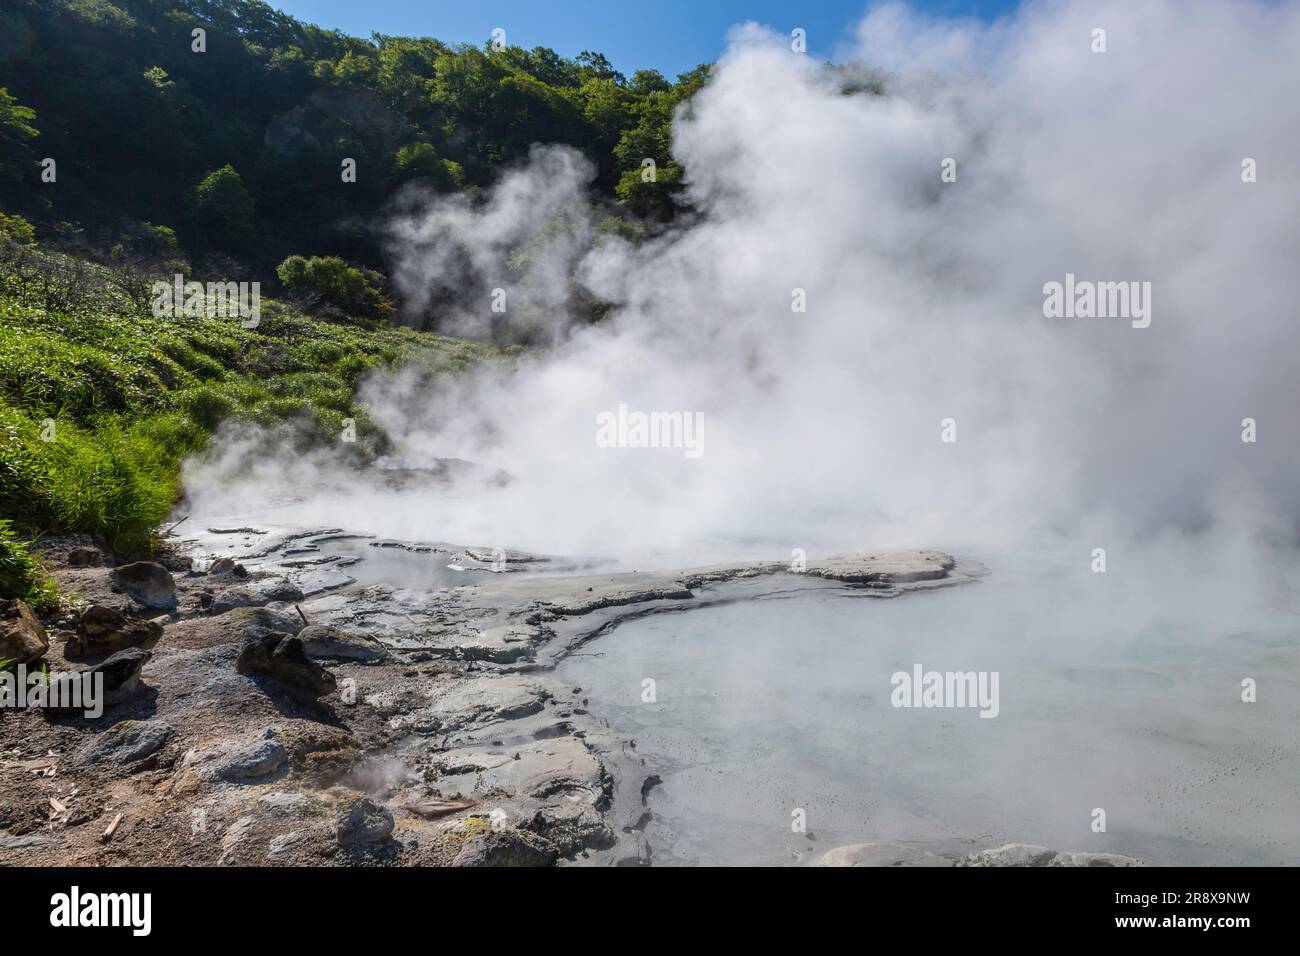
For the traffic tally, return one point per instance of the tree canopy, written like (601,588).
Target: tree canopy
(239,147)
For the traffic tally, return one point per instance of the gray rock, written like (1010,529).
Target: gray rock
(284,591)
(104,630)
(572,826)
(1012,854)
(232,598)
(284,801)
(364,821)
(507,847)
(882,854)
(487,699)
(545,769)
(283,659)
(502,644)
(282,842)
(233,836)
(1025,854)
(13,842)
(559,784)
(258,759)
(147,583)
(1095,859)
(22,638)
(227,566)
(125,743)
(332,644)
(120,675)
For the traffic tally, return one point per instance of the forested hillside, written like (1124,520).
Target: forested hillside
(226,163)
(237,149)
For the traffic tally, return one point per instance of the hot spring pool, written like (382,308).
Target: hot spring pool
(1111,696)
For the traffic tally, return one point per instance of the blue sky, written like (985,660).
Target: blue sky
(667,35)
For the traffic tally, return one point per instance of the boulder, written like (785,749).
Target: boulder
(364,821)
(572,825)
(252,762)
(22,638)
(282,658)
(104,630)
(261,621)
(120,675)
(125,743)
(232,598)
(507,847)
(147,583)
(332,644)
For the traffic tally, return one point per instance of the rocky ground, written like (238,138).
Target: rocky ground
(267,709)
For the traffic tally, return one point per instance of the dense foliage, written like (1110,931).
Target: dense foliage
(128,155)
(100,399)
(240,148)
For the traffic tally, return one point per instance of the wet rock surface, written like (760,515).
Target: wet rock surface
(300,718)
(1011,854)
(335,644)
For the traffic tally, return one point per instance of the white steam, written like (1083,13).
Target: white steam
(924,302)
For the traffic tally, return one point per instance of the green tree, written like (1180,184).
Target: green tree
(222,209)
(329,283)
(16,131)
(421,161)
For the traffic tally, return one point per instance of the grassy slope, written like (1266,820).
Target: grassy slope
(130,395)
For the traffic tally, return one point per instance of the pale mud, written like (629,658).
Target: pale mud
(447,741)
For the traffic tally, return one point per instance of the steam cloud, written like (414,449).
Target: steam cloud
(924,302)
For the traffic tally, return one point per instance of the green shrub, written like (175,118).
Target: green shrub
(331,282)
(207,405)
(21,575)
(129,395)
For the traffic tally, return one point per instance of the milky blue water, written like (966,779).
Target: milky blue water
(1114,695)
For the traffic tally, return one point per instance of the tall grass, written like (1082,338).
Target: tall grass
(99,407)
(21,575)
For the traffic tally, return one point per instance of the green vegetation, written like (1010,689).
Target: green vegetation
(329,282)
(100,400)
(226,164)
(239,148)
(22,576)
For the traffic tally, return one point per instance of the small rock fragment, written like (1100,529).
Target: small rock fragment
(364,821)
